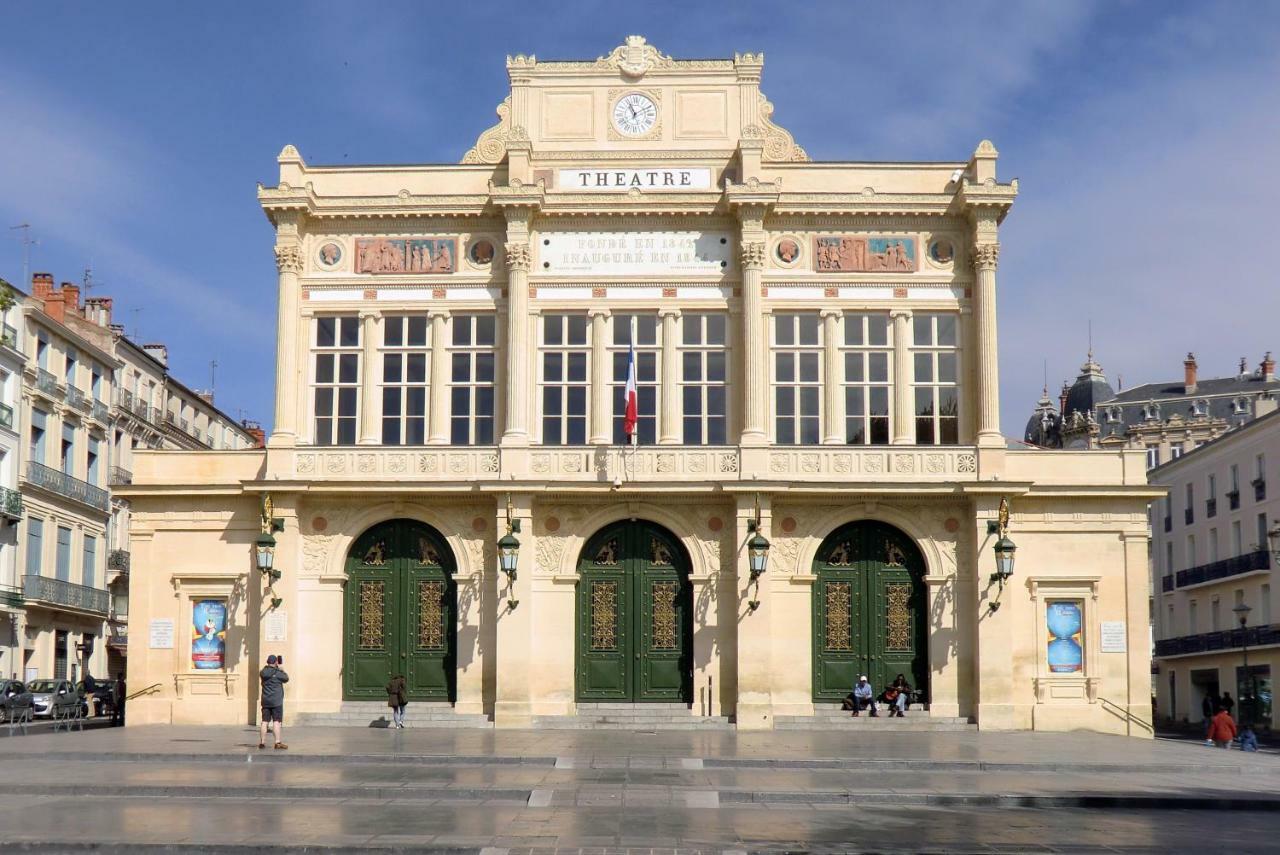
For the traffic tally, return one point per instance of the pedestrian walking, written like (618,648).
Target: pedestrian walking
(396,699)
(117,708)
(273,680)
(1222,730)
(1208,706)
(1227,703)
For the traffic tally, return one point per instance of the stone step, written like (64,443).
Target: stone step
(606,723)
(864,723)
(621,705)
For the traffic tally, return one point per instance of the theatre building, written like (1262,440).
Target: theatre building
(813,346)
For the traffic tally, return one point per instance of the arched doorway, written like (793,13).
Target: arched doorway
(869,610)
(399,615)
(635,616)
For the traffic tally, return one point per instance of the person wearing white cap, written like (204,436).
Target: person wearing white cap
(864,696)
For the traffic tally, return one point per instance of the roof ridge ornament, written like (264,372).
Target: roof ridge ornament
(636,57)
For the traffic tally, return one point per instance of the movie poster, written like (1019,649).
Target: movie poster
(1065,653)
(208,634)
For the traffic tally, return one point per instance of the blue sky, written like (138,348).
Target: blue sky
(1145,135)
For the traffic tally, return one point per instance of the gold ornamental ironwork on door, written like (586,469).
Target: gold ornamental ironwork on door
(635,616)
(400,613)
(869,610)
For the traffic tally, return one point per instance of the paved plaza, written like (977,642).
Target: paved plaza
(210,789)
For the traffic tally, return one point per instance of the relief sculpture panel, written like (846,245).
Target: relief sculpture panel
(853,254)
(406,255)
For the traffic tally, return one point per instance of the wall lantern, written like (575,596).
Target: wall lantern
(264,548)
(509,554)
(1274,537)
(1004,550)
(757,556)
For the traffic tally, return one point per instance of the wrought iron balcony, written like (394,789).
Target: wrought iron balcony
(1166,583)
(140,407)
(65,485)
(10,596)
(1226,568)
(100,412)
(1211,508)
(46,382)
(10,504)
(1208,642)
(1259,489)
(55,592)
(118,560)
(6,416)
(76,398)
(1233,500)
(118,475)
(124,400)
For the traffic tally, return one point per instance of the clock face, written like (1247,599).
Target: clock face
(634,114)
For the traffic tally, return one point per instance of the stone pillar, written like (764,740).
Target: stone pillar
(754,339)
(284,431)
(438,407)
(903,403)
(755,634)
(601,432)
(513,705)
(833,432)
(370,397)
(993,666)
(985,258)
(669,403)
(518,362)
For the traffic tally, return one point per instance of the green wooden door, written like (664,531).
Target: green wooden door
(635,617)
(868,610)
(399,615)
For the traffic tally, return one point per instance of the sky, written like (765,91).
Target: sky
(1145,137)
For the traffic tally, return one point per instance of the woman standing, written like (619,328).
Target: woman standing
(396,699)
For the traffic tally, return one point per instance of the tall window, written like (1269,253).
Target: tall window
(564,379)
(71,368)
(866,377)
(39,420)
(1237,539)
(1213,545)
(68,449)
(1261,533)
(640,332)
(704,373)
(90,570)
(471,380)
(936,395)
(1192,622)
(1153,456)
(42,350)
(337,379)
(91,470)
(405,368)
(1168,558)
(95,384)
(63,565)
(797,379)
(35,545)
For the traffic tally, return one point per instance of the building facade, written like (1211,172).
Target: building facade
(12,362)
(1212,554)
(813,350)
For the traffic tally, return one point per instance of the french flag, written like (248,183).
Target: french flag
(632,405)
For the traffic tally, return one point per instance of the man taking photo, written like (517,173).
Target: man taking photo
(273,680)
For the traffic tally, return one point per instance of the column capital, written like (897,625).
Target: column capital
(288,258)
(986,256)
(831,313)
(668,312)
(900,313)
(370,314)
(438,312)
(599,313)
(518,255)
(752,253)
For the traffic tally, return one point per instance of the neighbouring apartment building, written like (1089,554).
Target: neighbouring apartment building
(811,347)
(11,365)
(1213,557)
(78,430)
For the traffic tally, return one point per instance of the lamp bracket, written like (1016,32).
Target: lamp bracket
(277,524)
(515,525)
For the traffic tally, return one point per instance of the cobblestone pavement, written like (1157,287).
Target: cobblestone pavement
(210,789)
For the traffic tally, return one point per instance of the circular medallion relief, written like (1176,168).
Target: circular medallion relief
(952,525)
(789,524)
(481,252)
(942,251)
(552,524)
(635,114)
(319,524)
(330,254)
(787,251)
(478,524)
(715,523)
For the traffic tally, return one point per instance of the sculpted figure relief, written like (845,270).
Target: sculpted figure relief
(418,255)
(865,254)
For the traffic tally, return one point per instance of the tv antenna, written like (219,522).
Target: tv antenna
(27,243)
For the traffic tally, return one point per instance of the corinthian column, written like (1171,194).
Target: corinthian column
(284,430)
(754,381)
(519,358)
(370,399)
(833,432)
(985,258)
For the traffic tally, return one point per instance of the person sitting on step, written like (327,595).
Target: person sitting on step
(864,696)
(898,696)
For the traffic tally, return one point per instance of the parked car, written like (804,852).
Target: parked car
(48,696)
(15,698)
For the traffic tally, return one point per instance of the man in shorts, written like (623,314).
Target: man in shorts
(273,680)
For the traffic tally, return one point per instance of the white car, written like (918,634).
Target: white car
(48,695)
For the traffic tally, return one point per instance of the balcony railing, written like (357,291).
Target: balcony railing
(56,592)
(118,476)
(1260,489)
(10,596)
(1211,508)
(64,484)
(9,337)
(6,416)
(1207,642)
(1166,583)
(1188,516)
(1228,567)
(46,382)
(143,410)
(11,503)
(100,412)
(118,560)
(1233,500)
(124,400)
(76,398)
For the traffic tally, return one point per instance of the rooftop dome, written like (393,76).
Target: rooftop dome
(1044,428)
(1090,389)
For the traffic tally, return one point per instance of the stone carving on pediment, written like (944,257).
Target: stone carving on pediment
(635,57)
(491,147)
(779,145)
(784,554)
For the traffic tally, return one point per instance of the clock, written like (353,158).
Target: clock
(634,114)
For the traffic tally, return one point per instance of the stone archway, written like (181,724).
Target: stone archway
(870,608)
(400,613)
(634,616)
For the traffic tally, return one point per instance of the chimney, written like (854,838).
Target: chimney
(1268,368)
(71,296)
(1244,367)
(158,352)
(41,285)
(1062,401)
(1189,374)
(255,430)
(206,396)
(53,305)
(98,310)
